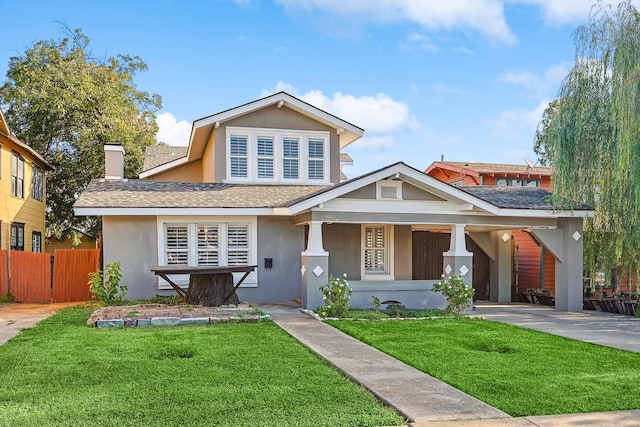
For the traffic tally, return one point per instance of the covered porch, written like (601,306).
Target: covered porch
(396,250)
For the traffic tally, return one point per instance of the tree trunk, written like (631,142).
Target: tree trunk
(210,289)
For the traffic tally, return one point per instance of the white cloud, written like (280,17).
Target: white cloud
(560,12)
(536,84)
(171,131)
(379,114)
(374,143)
(417,40)
(518,124)
(483,16)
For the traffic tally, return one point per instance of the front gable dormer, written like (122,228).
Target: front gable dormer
(278,139)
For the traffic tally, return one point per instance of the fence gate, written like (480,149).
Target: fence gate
(71,268)
(30,276)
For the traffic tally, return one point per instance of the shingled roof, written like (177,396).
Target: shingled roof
(497,168)
(104,193)
(156,155)
(515,197)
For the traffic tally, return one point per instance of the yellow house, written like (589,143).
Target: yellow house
(22,193)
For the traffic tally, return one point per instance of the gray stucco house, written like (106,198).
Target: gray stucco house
(260,184)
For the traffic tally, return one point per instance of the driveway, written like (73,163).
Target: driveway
(613,330)
(17,316)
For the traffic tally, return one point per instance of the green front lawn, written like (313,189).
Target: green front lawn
(63,372)
(519,371)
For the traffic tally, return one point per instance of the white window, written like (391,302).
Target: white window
(290,158)
(176,245)
(389,190)
(238,156)
(208,245)
(265,157)
(277,156)
(226,241)
(377,252)
(316,158)
(17,175)
(238,245)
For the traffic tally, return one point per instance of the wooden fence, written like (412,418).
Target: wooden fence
(4,273)
(31,279)
(71,268)
(30,276)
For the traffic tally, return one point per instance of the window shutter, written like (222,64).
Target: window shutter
(208,245)
(237,245)
(177,245)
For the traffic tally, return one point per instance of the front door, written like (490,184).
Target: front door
(428,260)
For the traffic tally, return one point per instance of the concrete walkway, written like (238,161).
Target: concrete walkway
(17,316)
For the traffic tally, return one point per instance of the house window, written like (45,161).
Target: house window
(37,183)
(501,182)
(238,245)
(210,244)
(238,156)
(36,241)
(377,252)
(532,182)
(17,175)
(290,158)
(316,158)
(265,157)
(277,155)
(177,245)
(227,241)
(17,236)
(389,190)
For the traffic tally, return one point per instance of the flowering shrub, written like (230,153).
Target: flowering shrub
(457,292)
(336,296)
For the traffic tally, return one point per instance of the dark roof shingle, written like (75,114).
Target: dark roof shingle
(103,193)
(515,197)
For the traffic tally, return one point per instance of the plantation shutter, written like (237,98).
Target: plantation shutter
(177,244)
(237,245)
(208,245)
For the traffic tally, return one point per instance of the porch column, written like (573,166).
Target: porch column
(502,268)
(457,260)
(315,267)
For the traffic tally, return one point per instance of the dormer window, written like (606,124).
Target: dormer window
(265,157)
(316,158)
(290,158)
(238,156)
(277,156)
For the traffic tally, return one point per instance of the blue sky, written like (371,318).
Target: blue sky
(466,79)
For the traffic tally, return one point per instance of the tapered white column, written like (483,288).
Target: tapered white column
(315,267)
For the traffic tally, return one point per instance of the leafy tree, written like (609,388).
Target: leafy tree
(66,104)
(591,136)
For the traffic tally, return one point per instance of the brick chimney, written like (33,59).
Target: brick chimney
(113,161)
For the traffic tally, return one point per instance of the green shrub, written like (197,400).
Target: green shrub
(7,298)
(336,295)
(457,292)
(105,286)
